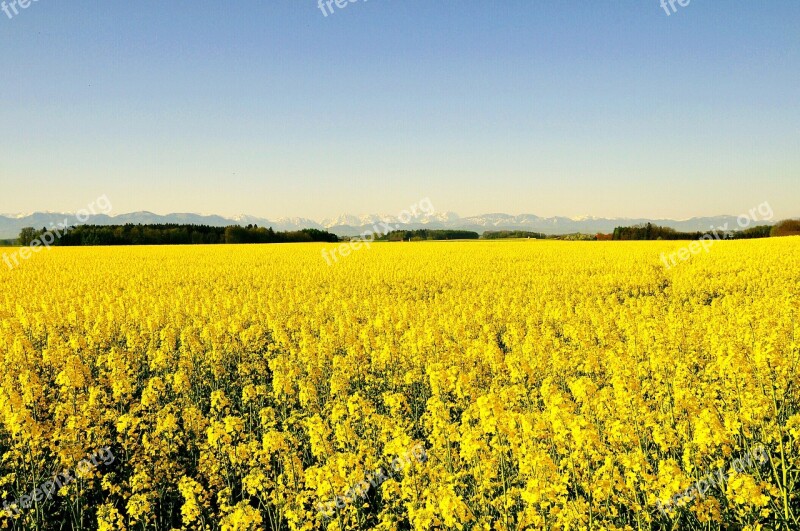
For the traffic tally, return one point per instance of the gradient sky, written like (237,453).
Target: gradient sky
(604,107)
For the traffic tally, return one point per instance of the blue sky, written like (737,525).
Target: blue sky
(605,108)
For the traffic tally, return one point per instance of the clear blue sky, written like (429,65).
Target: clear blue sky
(604,107)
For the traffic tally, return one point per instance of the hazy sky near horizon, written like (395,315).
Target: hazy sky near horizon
(606,108)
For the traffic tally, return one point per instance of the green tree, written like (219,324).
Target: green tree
(27,235)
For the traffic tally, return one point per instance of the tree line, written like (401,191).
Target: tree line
(177,234)
(649,231)
(428,234)
(174,234)
(502,234)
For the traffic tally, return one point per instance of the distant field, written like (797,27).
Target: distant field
(450,385)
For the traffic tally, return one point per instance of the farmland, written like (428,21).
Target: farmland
(488,385)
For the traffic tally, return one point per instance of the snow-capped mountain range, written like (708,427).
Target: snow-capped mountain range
(350,225)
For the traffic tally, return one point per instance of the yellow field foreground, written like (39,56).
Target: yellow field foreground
(480,385)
